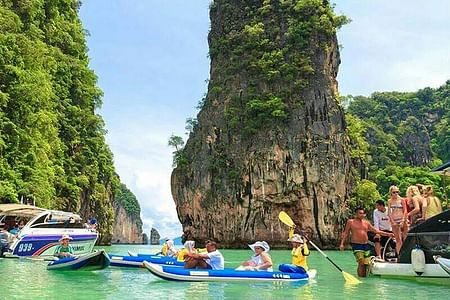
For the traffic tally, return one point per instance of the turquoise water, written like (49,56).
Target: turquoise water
(28,279)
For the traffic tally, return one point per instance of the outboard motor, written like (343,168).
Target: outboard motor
(418,260)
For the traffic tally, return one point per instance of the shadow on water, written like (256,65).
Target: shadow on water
(232,290)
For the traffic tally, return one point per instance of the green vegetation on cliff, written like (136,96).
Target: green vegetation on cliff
(129,202)
(397,138)
(52,142)
(272,48)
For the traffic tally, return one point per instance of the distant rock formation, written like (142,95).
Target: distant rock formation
(271,134)
(127,230)
(144,239)
(154,237)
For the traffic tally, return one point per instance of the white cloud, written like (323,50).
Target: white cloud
(143,159)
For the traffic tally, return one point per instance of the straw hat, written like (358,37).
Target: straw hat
(65,237)
(297,238)
(262,244)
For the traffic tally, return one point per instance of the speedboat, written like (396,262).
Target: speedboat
(424,243)
(43,229)
(137,261)
(182,274)
(444,263)
(88,262)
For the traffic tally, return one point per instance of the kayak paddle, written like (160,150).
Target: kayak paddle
(284,217)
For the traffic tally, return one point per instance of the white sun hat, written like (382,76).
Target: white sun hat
(262,244)
(65,237)
(297,238)
(189,245)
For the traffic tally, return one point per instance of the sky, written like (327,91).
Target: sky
(151,59)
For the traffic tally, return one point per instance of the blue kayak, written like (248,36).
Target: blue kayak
(136,261)
(181,274)
(93,261)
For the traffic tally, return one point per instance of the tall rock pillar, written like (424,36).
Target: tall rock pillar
(271,134)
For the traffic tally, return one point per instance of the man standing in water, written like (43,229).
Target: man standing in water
(358,227)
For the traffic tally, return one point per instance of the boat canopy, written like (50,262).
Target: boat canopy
(442,169)
(20,210)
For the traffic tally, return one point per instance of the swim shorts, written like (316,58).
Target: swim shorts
(361,251)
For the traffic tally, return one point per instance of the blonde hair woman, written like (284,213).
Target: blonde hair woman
(434,205)
(420,204)
(397,215)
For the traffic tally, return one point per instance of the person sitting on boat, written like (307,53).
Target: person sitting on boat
(21,224)
(188,248)
(49,219)
(381,222)
(358,228)
(171,251)
(64,249)
(15,229)
(299,254)
(163,250)
(434,205)
(261,261)
(4,239)
(213,259)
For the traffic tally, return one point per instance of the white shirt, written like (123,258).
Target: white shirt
(381,220)
(258,261)
(215,260)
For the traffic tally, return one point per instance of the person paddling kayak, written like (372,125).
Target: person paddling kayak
(299,253)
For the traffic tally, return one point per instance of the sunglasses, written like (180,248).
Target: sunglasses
(395,192)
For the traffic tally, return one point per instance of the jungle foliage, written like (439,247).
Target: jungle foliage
(397,138)
(52,141)
(266,59)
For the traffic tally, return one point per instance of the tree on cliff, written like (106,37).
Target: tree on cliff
(52,142)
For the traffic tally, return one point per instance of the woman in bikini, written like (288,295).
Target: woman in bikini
(417,214)
(397,215)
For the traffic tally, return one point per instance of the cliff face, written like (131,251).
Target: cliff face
(127,230)
(271,134)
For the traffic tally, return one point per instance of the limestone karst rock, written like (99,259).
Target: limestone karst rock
(271,134)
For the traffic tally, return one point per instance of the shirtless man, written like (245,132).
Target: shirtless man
(359,228)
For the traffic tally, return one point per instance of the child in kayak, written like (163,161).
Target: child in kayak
(299,253)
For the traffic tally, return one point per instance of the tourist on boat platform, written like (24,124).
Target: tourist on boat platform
(299,253)
(434,205)
(397,215)
(416,215)
(261,261)
(358,228)
(380,222)
(64,249)
(213,259)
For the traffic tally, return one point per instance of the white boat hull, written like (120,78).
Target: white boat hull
(406,270)
(43,242)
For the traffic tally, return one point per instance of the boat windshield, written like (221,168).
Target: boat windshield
(57,219)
